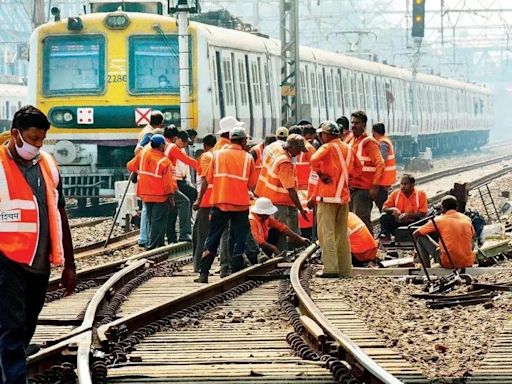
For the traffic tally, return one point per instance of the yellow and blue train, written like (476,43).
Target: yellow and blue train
(98,75)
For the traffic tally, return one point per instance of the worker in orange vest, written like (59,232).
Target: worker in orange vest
(387,150)
(34,235)
(404,206)
(226,124)
(332,163)
(365,187)
(277,182)
(309,133)
(257,151)
(155,186)
(362,244)
(302,160)
(232,174)
(456,232)
(202,205)
(346,135)
(266,230)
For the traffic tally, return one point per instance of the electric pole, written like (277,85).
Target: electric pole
(290,86)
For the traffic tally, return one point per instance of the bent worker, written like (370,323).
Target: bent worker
(266,230)
(403,207)
(155,186)
(257,151)
(362,244)
(456,232)
(34,234)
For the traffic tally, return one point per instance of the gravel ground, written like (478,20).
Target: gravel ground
(99,232)
(443,342)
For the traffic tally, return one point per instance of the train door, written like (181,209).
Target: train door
(216,112)
(305,110)
(220,83)
(250,97)
(315,119)
(338,110)
(375,86)
(270,95)
(265,95)
(255,85)
(345,93)
(322,94)
(241,98)
(228,84)
(329,94)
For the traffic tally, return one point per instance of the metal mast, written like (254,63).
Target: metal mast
(290,95)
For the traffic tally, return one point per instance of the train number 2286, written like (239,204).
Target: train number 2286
(117,78)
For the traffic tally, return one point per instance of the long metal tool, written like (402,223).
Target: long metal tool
(410,227)
(118,210)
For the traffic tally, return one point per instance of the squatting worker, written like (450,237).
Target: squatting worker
(456,232)
(365,187)
(362,244)
(232,174)
(404,206)
(278,182)
(34,234)
(332,163)
(155,186)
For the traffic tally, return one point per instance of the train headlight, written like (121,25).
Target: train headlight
(117,21)
(58,116)
(176,115)
(68,117)
(168,116)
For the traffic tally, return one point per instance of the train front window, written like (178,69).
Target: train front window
(154,65)
(74,65)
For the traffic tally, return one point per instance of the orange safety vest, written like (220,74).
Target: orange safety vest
(389,175)
(19,213)
(258,150)
(232,169)
(303,223)
(368,167)
(222,143)
(205,201)
(336,165)
(361,240)
(155,175)
(303,166)
(269,184)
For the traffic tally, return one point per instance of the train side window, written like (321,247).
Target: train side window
(256,83)
(328,79)
(242,81)
(337,86)
(321,89)
(304,87)
(73,65)
(153,65)
(228,81)
(345,92)
(353,92)
(215,80)
(360,93)
(313,88)
(267,83)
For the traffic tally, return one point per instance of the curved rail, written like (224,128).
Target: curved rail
(355,355)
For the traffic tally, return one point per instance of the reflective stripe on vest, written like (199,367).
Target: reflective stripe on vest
(389,175)
(397,199)
(343,177)
(355,229)
(148,172)
(274,157)
(258,149)
(243,177)
(364,159)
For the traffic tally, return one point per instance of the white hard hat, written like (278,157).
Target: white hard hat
(263,206)
(227,123)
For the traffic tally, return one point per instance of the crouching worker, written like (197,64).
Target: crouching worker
(362,244)
(403,207)
(155,186)
(455,248)
(266,230)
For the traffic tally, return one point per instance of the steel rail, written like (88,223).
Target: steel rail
(354,354)
(89,223)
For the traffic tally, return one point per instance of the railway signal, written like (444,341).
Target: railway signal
(418,18)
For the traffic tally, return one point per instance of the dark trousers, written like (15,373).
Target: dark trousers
(183,213)
(253,249)
(361,204)
(157,218)
(199,235)
(382,196)
(188,190)
(388,224)
(240,227)
(22,299)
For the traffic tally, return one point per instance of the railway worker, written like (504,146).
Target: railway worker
(232,174)
(155,186)
(257,151)
(455,230)
(266,230)
(281,135)
(182,207)
(362,244)
(387,150)
(171,133)
(309,133)
(202,205)
(156,120)
(346,135)
(365,186)
(226,124)
(302,161)
(404,206)
(34,234)
(332,163)
(278,182)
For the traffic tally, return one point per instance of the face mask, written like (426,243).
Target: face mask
(26,151)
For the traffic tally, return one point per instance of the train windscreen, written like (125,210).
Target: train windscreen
(154,64)
(74,65)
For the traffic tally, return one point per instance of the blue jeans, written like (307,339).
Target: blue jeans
(181,211)
(143,233)
(240,228)
(22,298)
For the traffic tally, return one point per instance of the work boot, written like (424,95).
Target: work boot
(224,273)
(237,263)
(201,279)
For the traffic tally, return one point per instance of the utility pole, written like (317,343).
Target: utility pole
(38,16)
(290,86)
(182,10)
